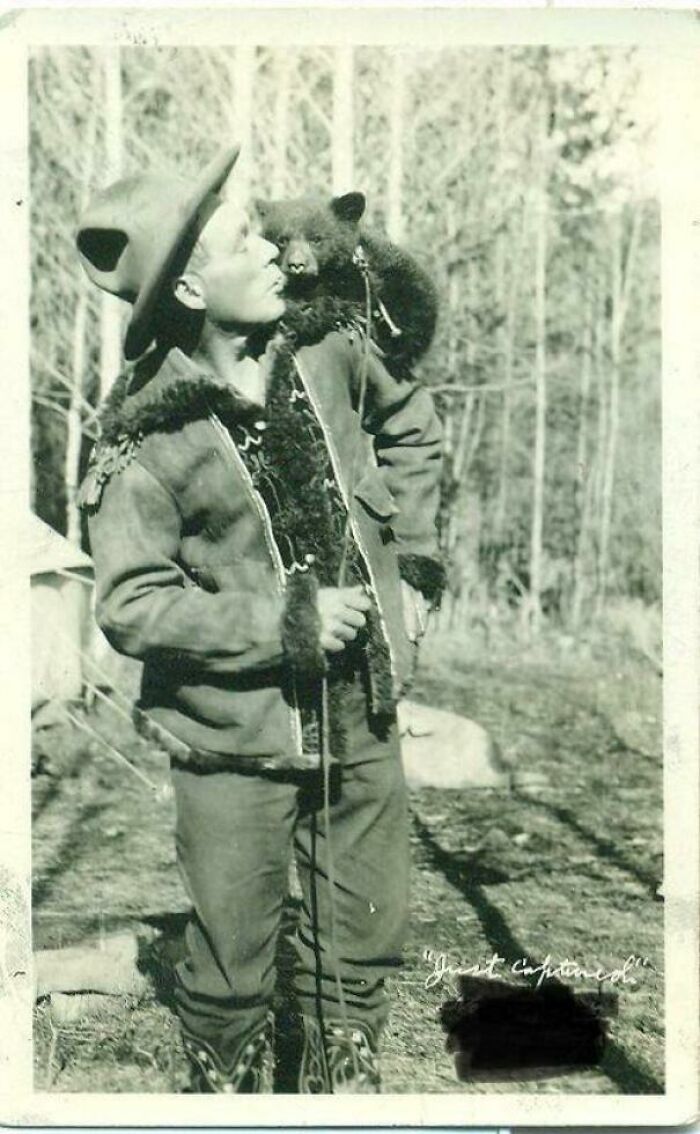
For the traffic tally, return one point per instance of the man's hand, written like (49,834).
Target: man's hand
(415,612)
(342,611)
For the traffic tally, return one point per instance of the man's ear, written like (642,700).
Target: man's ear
(349,207)
(188,291)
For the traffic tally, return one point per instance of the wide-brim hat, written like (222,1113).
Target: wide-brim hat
(137,235)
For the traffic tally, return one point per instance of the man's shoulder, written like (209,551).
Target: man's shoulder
(334,351)
(336,339)
(159,419)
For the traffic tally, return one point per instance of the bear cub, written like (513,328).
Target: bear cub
(328,259)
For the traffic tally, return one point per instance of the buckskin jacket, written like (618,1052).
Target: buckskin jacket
(189,574)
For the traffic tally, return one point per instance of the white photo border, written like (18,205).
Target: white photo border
(671,40)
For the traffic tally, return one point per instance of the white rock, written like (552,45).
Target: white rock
(444,750)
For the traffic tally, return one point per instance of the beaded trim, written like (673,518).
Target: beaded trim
(240,1074)
(338,1059)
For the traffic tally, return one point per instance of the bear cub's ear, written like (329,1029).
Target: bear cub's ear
(349,207)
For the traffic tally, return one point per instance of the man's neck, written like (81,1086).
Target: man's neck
(233,356)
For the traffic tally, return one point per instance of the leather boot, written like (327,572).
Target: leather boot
(240,1072)
(339,1058)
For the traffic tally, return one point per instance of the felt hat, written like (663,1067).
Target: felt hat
(135,235)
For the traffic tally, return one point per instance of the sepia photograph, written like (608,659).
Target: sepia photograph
(346,572)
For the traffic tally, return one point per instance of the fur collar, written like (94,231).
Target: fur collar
(164,390)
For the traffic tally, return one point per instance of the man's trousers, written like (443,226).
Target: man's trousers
(235,833)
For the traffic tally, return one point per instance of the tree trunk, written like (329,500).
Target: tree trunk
(74,417)
(508,358)
(472,357)
(241,70)
(74,432)
(468,438)
(582,473)
(600,371)
(111,309)
(534,608)
(453,296)
(279,167)
(342,149)
(453,436)
(395,218)
(504,334)
(621,273)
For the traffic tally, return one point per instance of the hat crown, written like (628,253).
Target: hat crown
(123,228)
(132,234)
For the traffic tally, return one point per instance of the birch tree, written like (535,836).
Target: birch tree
(622,267)
(343,125)
(395,214)
(281,121)
(533,607)
(241,69)
(74,415)
(583,478)
(111,308)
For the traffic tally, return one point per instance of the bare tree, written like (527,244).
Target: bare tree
(343,126)
(582,474)
(395,216)
(533,606)
(622,267)
(241,71)
(281,120)
(111,308)
(74,415)
(507,342)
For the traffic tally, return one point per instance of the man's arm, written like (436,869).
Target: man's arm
(147,605)
(408,446)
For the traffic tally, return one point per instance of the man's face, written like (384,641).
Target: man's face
(241,283)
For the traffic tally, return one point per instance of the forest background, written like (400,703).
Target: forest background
(523,179)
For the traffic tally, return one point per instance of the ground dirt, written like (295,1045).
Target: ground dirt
(569,868)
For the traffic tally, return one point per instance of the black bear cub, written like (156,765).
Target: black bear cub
(332,264)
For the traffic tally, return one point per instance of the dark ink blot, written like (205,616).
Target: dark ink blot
(504,1029)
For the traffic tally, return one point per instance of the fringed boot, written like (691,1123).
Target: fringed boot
(339,1058)
(243,1070)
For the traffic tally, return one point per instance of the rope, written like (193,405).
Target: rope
(114,752)
(360,260)
(111,702)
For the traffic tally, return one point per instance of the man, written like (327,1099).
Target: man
(253,490)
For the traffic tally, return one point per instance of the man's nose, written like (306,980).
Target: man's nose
(268,250)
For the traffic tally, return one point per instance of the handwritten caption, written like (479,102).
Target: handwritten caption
(547,969)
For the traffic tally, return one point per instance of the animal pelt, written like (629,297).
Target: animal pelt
(308,516)
(425,575)
(330,261)
(301,626)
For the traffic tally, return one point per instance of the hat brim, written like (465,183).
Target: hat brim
(139,333)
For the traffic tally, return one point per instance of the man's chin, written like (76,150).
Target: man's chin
(274,310)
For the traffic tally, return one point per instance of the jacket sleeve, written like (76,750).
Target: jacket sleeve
(407,435)
(146,603)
